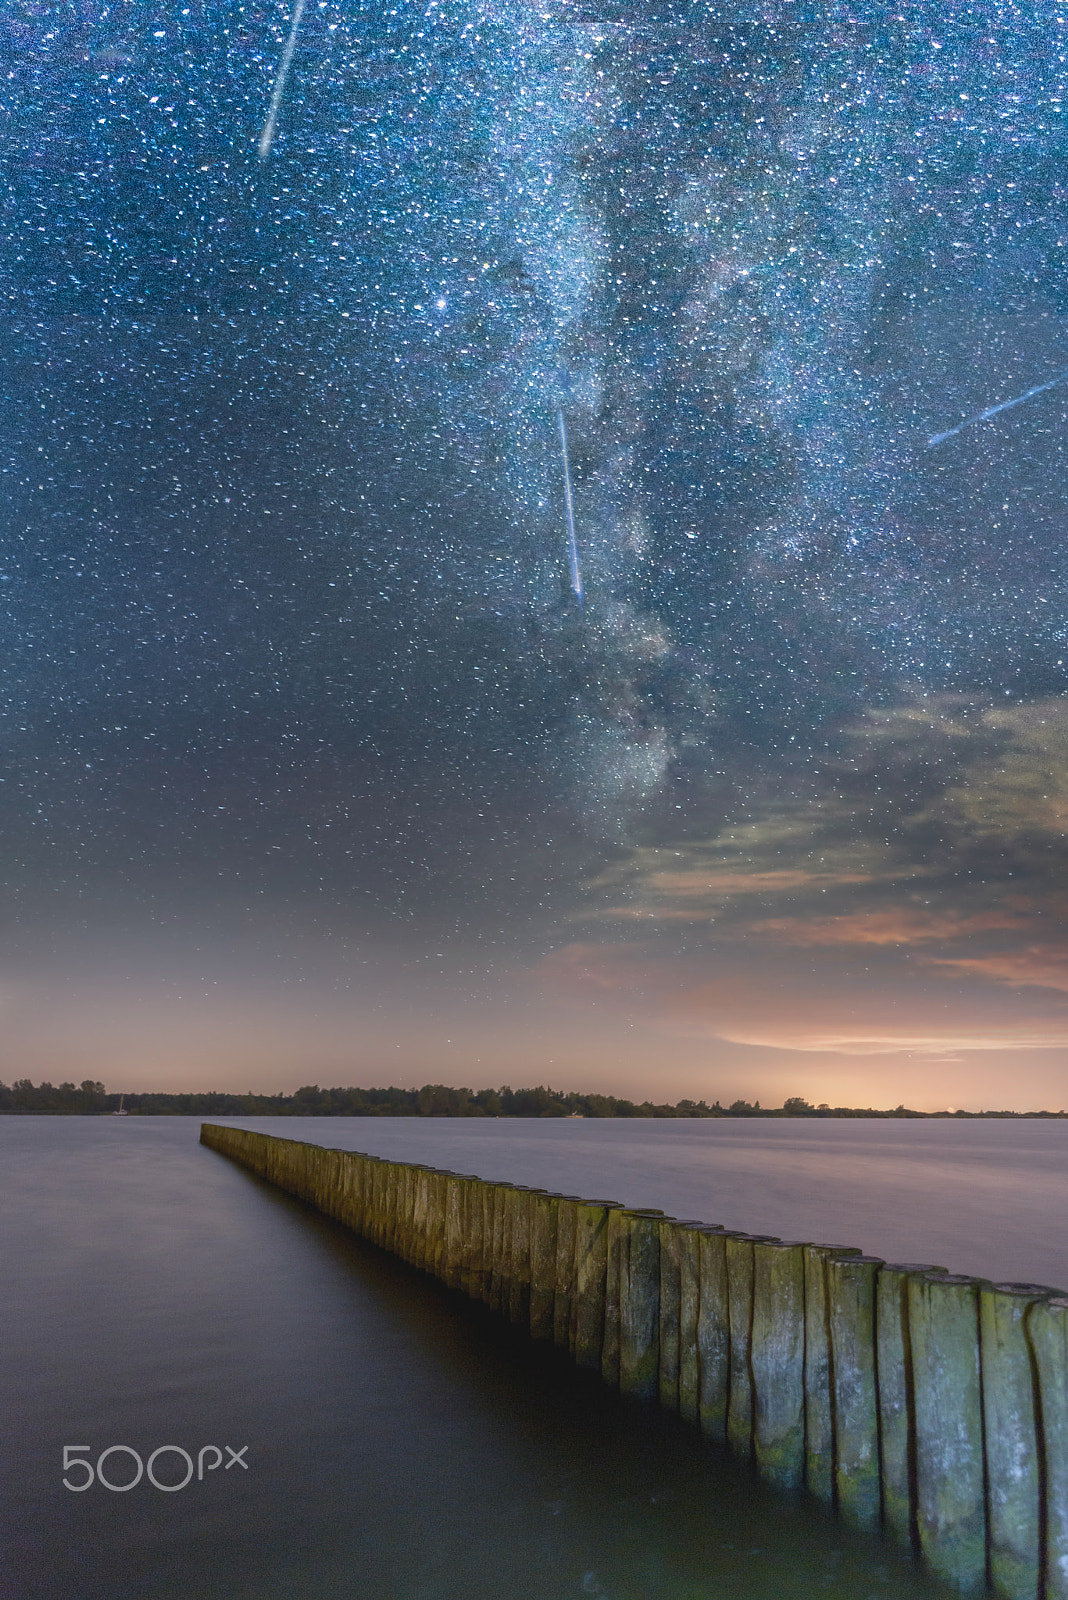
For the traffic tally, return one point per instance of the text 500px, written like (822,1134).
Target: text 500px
(128,1469)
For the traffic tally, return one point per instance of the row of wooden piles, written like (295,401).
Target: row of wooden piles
(933,1405)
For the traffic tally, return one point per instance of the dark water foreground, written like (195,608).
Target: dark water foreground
(402,1445)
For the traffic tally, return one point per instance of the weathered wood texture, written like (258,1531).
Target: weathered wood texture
(935,1406)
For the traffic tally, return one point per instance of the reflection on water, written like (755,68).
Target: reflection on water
(403,1445)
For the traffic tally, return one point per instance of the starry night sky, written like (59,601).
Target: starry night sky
(314,769)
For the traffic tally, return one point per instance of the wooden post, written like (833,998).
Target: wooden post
(950,1499)
(851,1307)
(689,1308)
(471,1265)
(519,1284)
(502,1249)
(566,1222)
(591,1269)
(819,1374)
(453,1231)
(614,1244)
(670,1308)
(740,1314)
(543,1265)
(1047,1331)
(485,1280)
(897,1427)
(639,1299)
(777,1361)
(440,1218)
(1011,1439)
(713,1333)
(393,1177)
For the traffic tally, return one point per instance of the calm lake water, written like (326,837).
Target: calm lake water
(401,1444)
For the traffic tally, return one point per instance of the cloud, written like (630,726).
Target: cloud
(1037,966)
(908,902)
(896,926)
(1017,790)
(828,1013)
(725,995)
(947,1046)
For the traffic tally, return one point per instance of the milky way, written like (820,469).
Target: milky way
(286,608)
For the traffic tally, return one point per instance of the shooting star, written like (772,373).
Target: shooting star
(572,543)
(267,136)
(992,411)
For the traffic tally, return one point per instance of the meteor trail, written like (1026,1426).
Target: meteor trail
(267,136)
(992,411)
(572,544)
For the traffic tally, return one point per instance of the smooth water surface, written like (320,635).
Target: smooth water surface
(402,1444)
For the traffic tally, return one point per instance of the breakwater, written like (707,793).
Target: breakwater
(931,1404)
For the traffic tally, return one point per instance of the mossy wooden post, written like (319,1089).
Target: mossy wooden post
(311,1161)
(591,1261)
(502,1250)
(713,1333)
(417,1246)
(453,1232)
(491,1268)
(519,1295)
(468,1234)
(371,1199)
(381,1202)
(819,1377)
(543,1265)
(332,1183)
(356,1202)
(496,1237)
(441,1180)
(1047,1332)
(384,1177)
(422,1255)
(851,1315)
(1012,1440)
(777,1361)
(477,1211)
(893,1357)
(614,1243)
(393,1183)
(740,1314)
(502,1247)
(425,1253)
(395,1206)
(950,1503)
(565,1269)
(335,1184)
(510,1299)
(400,1231)
(471,1206)
(670,1301)
(330,1180)
(485,1269)
(305,1164)
(363,1198)
(689,1306)
(419,1217)
(344,1211)
(344,1188)
(639,1305)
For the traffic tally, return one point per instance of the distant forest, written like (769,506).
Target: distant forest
(433,1100)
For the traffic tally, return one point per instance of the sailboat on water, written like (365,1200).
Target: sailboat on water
(121,1112)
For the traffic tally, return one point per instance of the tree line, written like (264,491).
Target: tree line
(432,1100)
